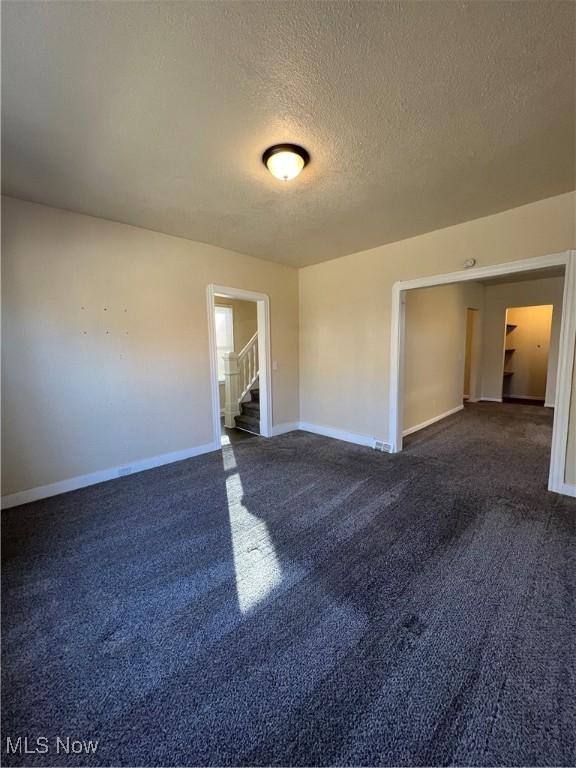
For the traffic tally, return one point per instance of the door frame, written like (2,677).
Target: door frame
(567,259)
(264,357)
(474,383)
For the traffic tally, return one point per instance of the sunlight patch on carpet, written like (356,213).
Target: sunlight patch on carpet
(258,569)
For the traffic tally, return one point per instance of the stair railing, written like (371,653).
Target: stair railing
(240,373)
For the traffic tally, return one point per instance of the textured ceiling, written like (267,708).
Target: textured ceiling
(417,115)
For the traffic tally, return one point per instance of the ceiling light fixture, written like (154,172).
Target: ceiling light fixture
(285,161)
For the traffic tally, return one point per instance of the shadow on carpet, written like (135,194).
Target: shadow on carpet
(302,601)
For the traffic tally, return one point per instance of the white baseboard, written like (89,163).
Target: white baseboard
(548,405)
(433,420)
(381,445)
(337,434)
(490,399)
(567,489)
(82,481)
(288,426)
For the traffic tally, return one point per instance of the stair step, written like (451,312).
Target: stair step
(255,395)
(248,423)
(251,409)
(248,419)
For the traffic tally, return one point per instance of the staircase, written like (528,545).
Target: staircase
(241,378)
(249,416)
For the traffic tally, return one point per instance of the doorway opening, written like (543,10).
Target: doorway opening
(404,356)
(525,355)
(239,335)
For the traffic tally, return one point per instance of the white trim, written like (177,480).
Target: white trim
(495,270)
(433,420)
(490,399)
(288,426)
(504,345)
(548,405)
(567,489)
(337,434)
(556,478)
(397,323)
(565,351)
(265,363)
(113,473)
(82,481)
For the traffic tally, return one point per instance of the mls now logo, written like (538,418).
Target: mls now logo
(42,745)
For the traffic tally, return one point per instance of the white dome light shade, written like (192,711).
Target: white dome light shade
(285,161)
(285,165)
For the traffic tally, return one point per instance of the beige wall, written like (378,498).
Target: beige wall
(245,320)
(497,298)
(530,339)
(345,306)
(435,344)
(105,346)
(245,314)
(105,342)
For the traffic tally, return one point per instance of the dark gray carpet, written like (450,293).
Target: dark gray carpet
(301,601)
